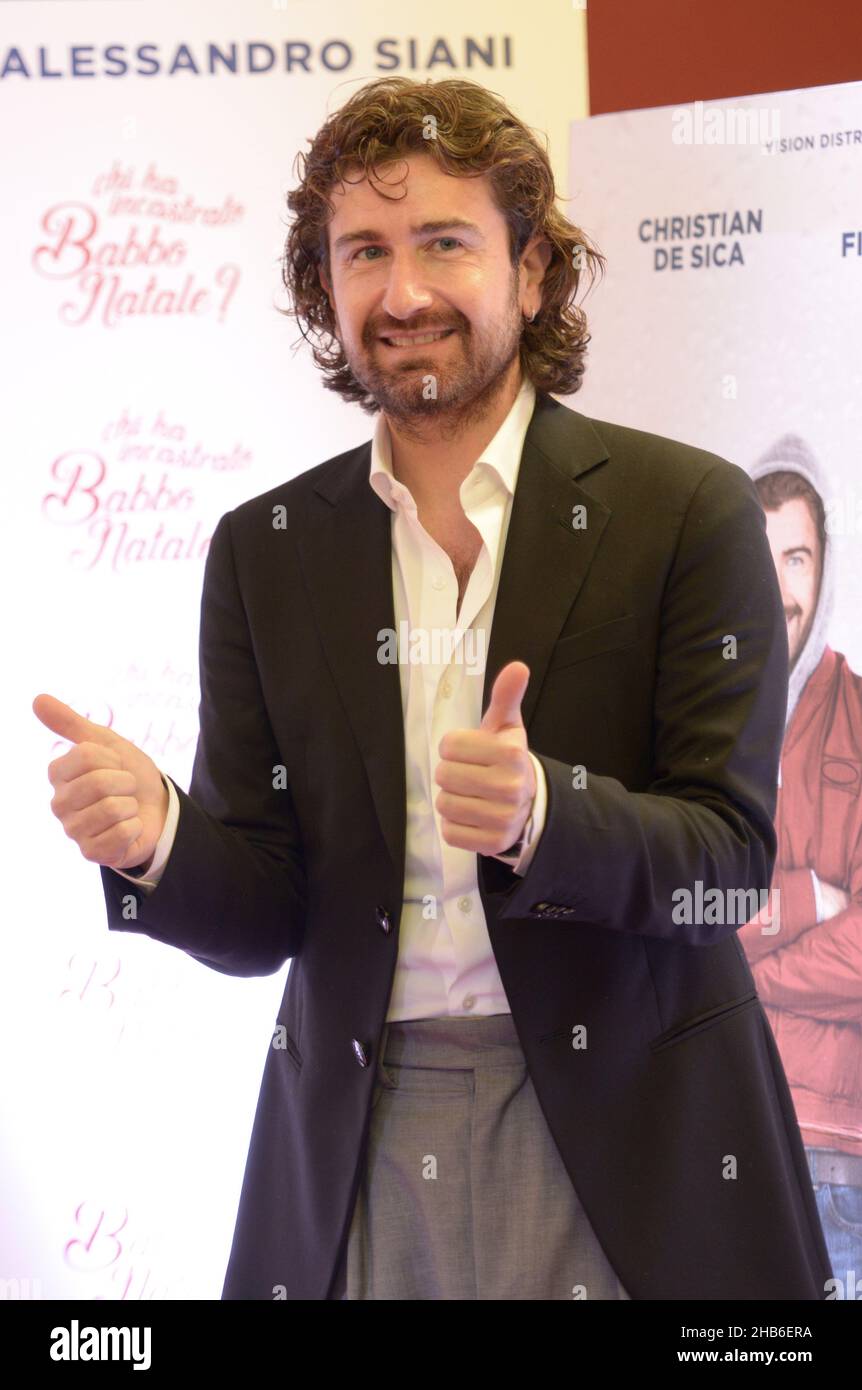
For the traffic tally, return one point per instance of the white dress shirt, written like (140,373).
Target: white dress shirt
(446,965)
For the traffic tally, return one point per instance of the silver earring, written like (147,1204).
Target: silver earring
(532,316)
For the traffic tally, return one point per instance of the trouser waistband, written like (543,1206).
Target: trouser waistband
(486,1040)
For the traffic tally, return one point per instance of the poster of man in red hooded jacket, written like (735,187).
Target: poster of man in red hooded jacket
(805,950)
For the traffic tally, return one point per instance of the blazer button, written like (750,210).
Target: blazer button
(383,921)
(361,1055)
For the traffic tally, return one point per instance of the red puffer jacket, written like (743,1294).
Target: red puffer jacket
(809,972)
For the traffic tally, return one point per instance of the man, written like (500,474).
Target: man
(808,967)
(512,1059)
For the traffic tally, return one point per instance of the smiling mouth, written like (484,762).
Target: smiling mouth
(418,340)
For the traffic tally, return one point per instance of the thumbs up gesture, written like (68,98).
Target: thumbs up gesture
(109,796)
(487,774)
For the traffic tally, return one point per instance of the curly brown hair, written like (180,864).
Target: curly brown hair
(469,131)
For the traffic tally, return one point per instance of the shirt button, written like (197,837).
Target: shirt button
(465,904)
(445,690)
(438,582)
(468,1001)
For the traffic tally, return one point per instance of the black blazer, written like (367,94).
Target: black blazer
(675,1122)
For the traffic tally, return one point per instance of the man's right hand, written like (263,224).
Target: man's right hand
(109,796)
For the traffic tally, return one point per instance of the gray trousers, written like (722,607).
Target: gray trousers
(464,1194)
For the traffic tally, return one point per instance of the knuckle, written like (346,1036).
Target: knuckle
(86,756)
(102,782)
(95,756)
(110,781)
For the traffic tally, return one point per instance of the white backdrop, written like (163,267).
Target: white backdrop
(150,387)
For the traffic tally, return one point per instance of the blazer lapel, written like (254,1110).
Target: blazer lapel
(346,554)
(549,544)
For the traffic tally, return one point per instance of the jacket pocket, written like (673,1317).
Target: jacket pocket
(604,637)
(680,1031)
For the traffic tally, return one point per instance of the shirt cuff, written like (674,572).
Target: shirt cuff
(164,843)
(818,896)
(521,863)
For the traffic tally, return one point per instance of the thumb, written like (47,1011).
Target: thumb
(66,722)
(504,709)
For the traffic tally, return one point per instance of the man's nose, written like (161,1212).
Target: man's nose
(407,288)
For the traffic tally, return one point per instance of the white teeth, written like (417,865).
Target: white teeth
(417,342)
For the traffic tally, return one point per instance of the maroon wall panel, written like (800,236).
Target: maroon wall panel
(665,52)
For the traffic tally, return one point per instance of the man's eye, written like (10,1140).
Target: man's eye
(456,240)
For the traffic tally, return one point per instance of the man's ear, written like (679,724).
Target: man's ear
(325,282)
(536,258)
(542,249)
(327,285)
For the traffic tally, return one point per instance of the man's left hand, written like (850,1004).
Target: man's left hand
(487,776)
